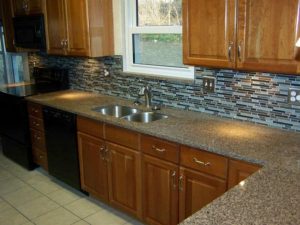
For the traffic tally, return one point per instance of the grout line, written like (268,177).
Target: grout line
(70,189)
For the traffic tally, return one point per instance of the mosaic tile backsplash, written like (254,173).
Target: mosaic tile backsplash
(256,97)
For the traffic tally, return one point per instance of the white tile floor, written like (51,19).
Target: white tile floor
(33,197)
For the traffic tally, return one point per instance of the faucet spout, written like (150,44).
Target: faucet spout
(147,93)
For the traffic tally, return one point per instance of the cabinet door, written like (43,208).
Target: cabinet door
(25,7)
(56,28)
(197,190)
(77,26)
(7,23)
(267,34)
(209,33)
(160,191)
(239,171)
(124,178)
(93,166)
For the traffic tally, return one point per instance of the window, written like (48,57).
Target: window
(153,37)
(13,66)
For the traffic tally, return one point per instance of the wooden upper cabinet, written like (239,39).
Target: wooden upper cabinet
(251,35)
(7,23)
(77,25)
(239,171)
(197,190)
(56,29)
(80,27)
(27,7)
(209,33)
(267,34)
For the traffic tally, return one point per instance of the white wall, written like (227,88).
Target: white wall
(118,25)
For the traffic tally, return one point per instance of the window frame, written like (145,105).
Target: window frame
(131,28)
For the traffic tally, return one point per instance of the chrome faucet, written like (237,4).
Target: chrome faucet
(147,94)
(144,91)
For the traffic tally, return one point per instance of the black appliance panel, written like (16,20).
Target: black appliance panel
(61,144)
(29,31)
(14,125)
(14,118)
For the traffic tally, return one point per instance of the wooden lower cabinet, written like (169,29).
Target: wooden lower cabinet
(152,179)
(124,178)
(93,166)
(239,171)
(111,172)
(196,190)
(160,191)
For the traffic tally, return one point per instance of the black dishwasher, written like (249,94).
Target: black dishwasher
(61,142)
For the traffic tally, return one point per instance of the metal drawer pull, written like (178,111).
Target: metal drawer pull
(158,149)
(201,163)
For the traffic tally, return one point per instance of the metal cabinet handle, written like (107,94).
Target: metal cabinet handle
(239,52)
(107,154)
(230,51)
(181,183)
(25,5)
(37,137)
(102,152)
(200,162)
(66,43)
(173,175)
(36,124)
(158,149)
(62,43)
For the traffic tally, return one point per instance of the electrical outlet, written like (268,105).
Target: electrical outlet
(294,96)
(209,84)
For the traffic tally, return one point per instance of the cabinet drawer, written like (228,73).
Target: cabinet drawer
(38,139)
(36,123)
(160,148)
(40,157)
(122,136)
(35,110)
(204,161)
(90,127)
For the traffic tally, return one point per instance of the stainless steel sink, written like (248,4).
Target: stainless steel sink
(116,110)
(145,117)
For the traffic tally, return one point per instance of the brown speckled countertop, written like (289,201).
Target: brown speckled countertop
(270,196)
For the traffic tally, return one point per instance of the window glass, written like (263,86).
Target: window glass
(154,38)
(159,12)
(2,58)
(13,66)
(18,68)
(2,74)
(158,49)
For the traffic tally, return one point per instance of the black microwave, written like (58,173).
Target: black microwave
(29,32)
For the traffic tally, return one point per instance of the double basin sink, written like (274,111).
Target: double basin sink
(129,114)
